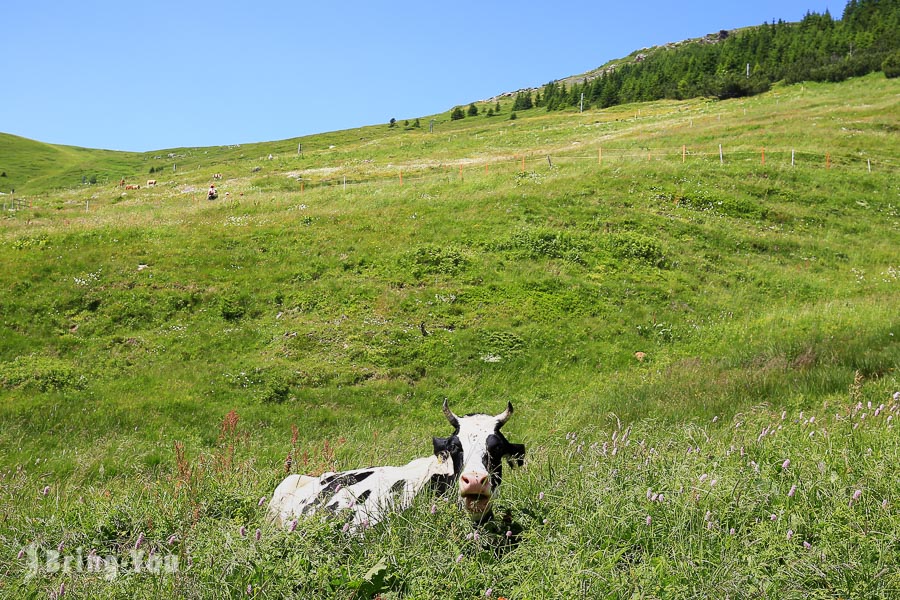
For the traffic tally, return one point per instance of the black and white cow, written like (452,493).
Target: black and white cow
(471,457)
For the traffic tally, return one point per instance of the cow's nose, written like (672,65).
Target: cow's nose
(475,479)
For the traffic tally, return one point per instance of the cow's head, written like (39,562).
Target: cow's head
(478,449)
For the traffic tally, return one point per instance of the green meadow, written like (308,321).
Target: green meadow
(701,346)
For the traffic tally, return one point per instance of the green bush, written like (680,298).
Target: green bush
(233,307)
(891,65)
(639,247)
(41,372)
(435,260)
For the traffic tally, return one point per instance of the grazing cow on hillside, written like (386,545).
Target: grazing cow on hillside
(151,182)
(217,176)
(132,186)
(471,458)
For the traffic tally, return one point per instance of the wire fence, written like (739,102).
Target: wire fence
(609,156)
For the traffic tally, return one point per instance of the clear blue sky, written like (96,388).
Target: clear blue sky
(140,75)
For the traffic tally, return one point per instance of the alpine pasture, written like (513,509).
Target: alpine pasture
(702,350)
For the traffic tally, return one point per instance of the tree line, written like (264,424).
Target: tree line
(744,62)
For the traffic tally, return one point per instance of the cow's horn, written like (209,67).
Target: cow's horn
(450,416)
(503,417)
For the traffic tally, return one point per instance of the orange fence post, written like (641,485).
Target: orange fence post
(827,160)
(401,177)
(763,156)
(523,164)
(600,155)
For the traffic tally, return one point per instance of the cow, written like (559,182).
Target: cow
(217,176)
(470,459)
(151,182)
(132,186)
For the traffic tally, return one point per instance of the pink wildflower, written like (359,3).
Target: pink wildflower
(807,545)
(459,558)
(346,527)
(293,525)
(773,517)
(541,496)
(792,491)
(258,534)
(243,531)
(261,501)
(140,540)
(171,539)
(786,464)
(649,519)
(790,533)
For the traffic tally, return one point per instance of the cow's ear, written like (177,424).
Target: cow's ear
(516,455)
(441,445)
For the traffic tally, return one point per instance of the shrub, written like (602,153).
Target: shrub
(639,247)
(890,66)
(538,243)
(435,260)
(457,113)
(233,307)
(43,372)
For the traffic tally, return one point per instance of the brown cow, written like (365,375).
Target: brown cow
(151,182)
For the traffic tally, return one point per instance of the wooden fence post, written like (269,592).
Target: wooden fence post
(721,156)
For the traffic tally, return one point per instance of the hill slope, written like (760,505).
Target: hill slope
(163,354)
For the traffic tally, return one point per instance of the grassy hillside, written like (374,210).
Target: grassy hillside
(603,270)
